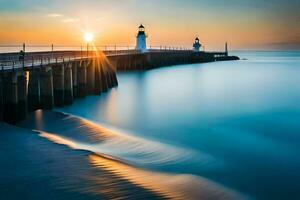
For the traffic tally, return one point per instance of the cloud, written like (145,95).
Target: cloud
(54,15)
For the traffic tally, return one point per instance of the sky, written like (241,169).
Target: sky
(244,24)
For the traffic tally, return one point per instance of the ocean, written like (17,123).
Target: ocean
(222,130)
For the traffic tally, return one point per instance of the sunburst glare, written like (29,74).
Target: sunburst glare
(88,37)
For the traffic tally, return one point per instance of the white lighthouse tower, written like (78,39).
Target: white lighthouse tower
(141,39)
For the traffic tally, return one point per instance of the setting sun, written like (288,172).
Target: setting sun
(88,37)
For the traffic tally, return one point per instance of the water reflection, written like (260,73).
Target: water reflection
(164,185)
(170,186)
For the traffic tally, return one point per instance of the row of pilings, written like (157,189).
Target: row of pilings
(25,90)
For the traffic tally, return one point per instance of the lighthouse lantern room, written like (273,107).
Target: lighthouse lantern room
(141,39)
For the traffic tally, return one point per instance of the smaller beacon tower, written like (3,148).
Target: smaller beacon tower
(141,39)
(197,45)
(226,49)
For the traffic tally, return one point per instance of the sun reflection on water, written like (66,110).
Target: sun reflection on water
(169,186)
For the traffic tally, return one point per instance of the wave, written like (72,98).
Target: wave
(121,153)
(169,186)
(111,141)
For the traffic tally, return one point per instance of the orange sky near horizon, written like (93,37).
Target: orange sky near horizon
(113,25)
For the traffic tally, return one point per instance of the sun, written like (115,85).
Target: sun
(88,37)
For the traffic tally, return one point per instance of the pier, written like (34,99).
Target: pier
(43,80)
(45,84)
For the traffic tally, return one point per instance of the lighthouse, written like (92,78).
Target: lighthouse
(141,39)
(197,44)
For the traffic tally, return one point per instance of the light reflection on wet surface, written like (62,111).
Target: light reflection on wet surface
(165,185)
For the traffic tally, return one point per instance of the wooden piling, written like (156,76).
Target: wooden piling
(10,97)
(108,78)
(68,85)
(21,94)
(33,96)
(46,89)
(90,73)
(81,74)
(104,85)
(115,79)
(58,84)
(75,78)
(98,76)
(1,97)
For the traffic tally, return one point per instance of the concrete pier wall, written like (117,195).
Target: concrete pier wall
(150,60)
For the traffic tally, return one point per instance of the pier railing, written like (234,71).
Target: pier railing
(39,55)
(48,48)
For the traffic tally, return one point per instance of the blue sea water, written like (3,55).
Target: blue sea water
(222,130)
(236,123)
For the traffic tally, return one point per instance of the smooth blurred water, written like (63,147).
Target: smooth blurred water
(238,119)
